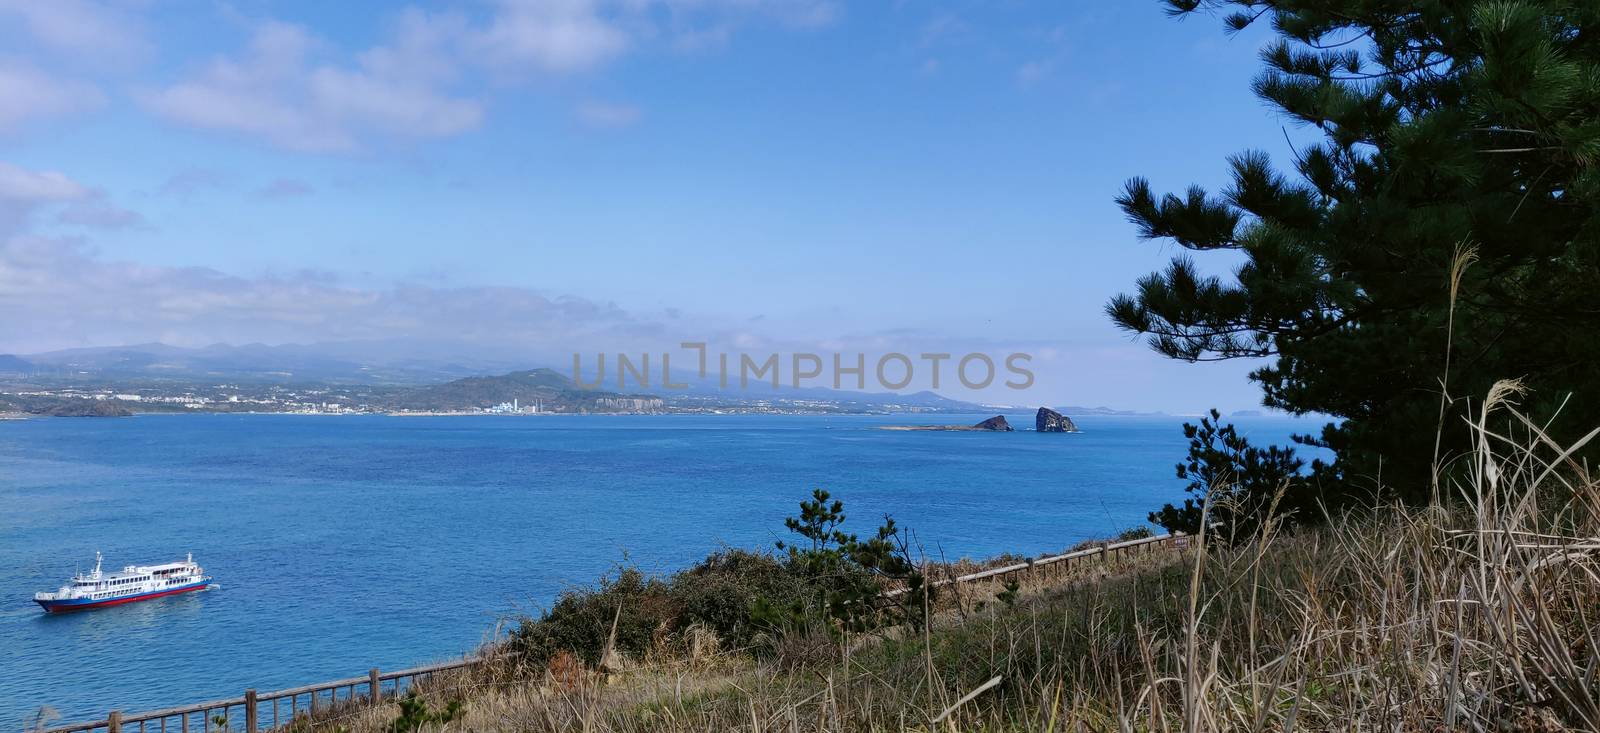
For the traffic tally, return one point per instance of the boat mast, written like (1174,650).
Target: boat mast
(96,564)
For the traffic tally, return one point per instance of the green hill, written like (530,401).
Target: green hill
(546,388)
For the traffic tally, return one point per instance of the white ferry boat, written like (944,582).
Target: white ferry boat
(132,583)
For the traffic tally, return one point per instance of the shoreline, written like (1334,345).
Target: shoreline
(450,413)
(24,416)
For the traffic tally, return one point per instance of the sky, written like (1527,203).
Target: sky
(529,179)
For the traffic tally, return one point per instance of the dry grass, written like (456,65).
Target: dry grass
(1481,617)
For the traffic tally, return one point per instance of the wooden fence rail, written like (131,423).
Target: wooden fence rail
(271,710)
(1099,552)
(268,710)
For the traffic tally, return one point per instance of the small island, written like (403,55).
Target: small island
(996,424)
(95,408)
(1050,421)
(1045,421)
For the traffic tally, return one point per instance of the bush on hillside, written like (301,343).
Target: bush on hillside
(640,607)
(832,582)
(1239,481)
(720,592)
(846,575)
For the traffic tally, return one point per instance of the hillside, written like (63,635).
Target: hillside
(368,363)
(1476,618)
(544,389)
(12,364)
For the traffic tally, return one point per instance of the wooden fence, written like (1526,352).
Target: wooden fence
(1065,561)
(267,711)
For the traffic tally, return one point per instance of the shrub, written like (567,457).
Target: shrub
(846,576)
(833,582)
(415,715)
(720,592)
(1239,481)
(1136,533)
(581,621)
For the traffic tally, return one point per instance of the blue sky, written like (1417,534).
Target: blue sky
(532,178)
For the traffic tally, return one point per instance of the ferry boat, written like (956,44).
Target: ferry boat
(132,583)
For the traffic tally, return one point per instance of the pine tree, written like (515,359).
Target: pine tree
(1450,133)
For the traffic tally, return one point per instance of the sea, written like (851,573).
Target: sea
(343,543)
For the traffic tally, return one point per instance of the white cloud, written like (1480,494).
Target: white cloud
(20,185)
(422,47)
(24,192)
(278,91)
(97,212)
(793,13)
(603,115)
(940,27)
(58,294)
(1033,72)
(82,31)
(549,35)
(29,95)
(431,75)
(285,188)
(696,25)
(191,180)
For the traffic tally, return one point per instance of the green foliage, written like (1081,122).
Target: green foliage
(832,581)
(415,714)
(1135,533)
(557,391)
(580,621)
(650,613)
(722,592)
(1009,596)
(1240,481)
(818,522)
(1443,125)
(847,575)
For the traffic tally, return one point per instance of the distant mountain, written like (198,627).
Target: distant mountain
(924,400)
(1070,410)
(350,362)
(545,388)
(709,391)
(12,364)
(1076,410)
(415,372)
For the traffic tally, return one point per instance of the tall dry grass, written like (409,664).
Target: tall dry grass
(1480,616)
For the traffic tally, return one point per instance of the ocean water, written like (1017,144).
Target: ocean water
(345,543)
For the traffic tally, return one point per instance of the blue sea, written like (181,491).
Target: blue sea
(346,543)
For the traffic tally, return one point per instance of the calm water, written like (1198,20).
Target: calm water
(344,543)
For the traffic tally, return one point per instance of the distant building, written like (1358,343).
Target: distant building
(630,404)
(514,407)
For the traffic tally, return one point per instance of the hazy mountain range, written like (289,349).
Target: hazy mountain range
(403,364)
(351,362)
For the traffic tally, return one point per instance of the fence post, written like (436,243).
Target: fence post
(114,722)
(250,711)
(374,686)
